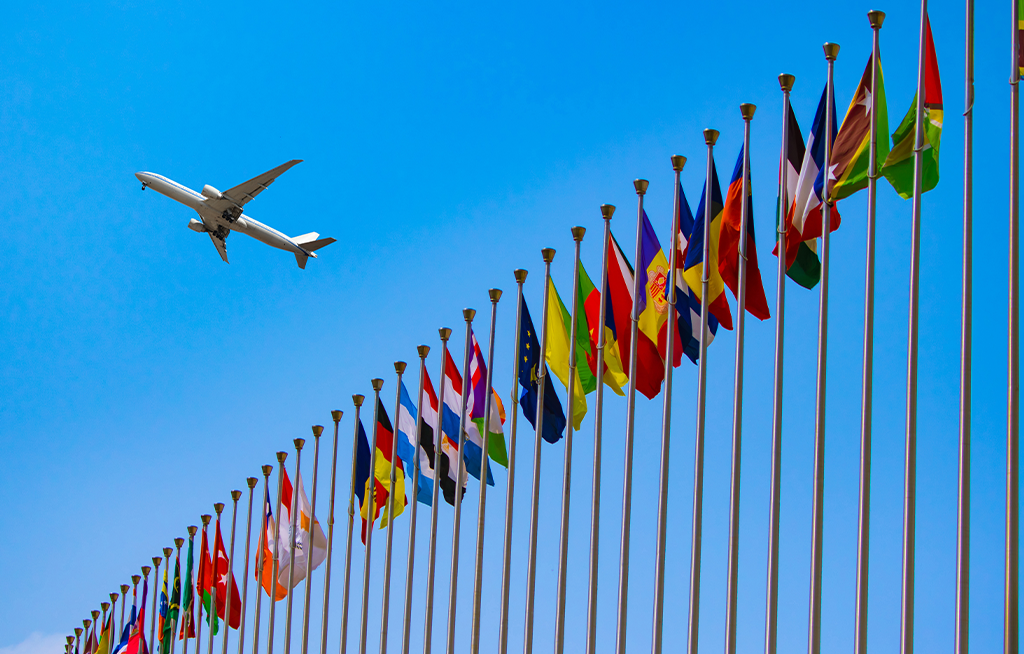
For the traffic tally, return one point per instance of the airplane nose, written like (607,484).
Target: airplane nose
(139,176)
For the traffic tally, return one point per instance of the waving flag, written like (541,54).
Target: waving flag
(852,148)
(188,627)
(137,637)
(558,353)
(619,309)
(446,463)
(385,445)
(695,266)
(475,412)
(173,609)
(590,300)
(269,542)
(162,611)
(411,447)
(687,301)
(205,584)
(729,244)
(129,628)
(222,579)
(451,397)
(106,636)
(652,323)
(363,481)
(530,360)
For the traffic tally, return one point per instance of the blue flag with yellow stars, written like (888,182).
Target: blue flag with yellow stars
(530,358)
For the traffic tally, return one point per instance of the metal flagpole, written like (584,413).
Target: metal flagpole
(548,254)
(371,515)
(910,472)
(678,161)
(422,350)
(506,556)
(563,530)
(218,509)
(710,137)
(336,416)
(963,531)
(135,584)
(495,295)
(124,595)
(70,639)
(261,546)
(251,482)
(453,588)
(607,210)
(818,502)
(105,606)
(357,401)
(747,110)
(627,485)
(78,634)
(188,617)
(317,430)
(274,583)
(386,601)
(178,542)
(428,621)
(86,623)
(235,494)
(1010,602)
(875,18)
(167,574)
(775,495)
(95,614)
(152,611)
(293,527)
(205,519)
(113,608)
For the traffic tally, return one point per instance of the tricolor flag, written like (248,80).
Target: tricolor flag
(851,152)
(729,244)
(618,309)
(652,322)
(695,266)
(385,445)
(590,300)
(803,222)
(269,541)
(173,609)
(445,464)
(899,165)
(411,446)
(687,301)
(559,351)
(162,611)
(451,400)
(364,481)
(91,645)
(136,637)
(475,413)
(106,636)
(129,628)
(188,627)
(530,361)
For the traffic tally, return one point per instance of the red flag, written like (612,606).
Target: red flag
(222,575)
(269,536)
(137,638)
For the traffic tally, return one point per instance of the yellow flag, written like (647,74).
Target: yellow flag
(558,352)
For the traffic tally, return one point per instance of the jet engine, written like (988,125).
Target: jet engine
(212,193)
(197,226)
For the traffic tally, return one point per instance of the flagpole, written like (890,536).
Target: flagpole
(70,639)
(113,608)
(317,431)
(261,545)
(627,485)
(1010,602)
(678,161)
(105,606)
(135,584)
(281,456)
(506,557)
(775,494)
(710,138)
(86,623)
(78,634)
(251,482)
(428,621)
(548,254)
(607,210)
(386,600)
(152,612)
(293,520)
(336,416)
(453,588)
(818,502)
(422,350)
(178,542)
(494,294)
(124,596)
(910,473)
(235,494)
(371,516)
(218,508)
(563,530)
(191,529)
(167,573)
(963,532)
(357,401)
(199,579)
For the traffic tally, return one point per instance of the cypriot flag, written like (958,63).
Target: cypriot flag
(307,547)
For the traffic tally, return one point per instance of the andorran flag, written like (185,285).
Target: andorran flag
(848,166)
(899,165)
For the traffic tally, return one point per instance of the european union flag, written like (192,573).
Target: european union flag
(530,358)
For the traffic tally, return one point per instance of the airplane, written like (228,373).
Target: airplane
(220,213)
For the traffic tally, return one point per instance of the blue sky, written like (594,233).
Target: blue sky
(444,146)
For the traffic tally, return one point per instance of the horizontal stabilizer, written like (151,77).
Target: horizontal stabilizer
(313,246)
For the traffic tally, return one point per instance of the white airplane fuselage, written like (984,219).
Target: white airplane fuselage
(216,221)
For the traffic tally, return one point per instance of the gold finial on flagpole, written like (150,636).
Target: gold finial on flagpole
(445,333)
(317,430)
(710,136)
(157,560)
(377,383)
(678,161)
(281,456)
(235,494)
(206,517)
(607,211)
(548,255)
(252,481)
(357,399)
(578,232)
(469,314)
(876,18)
(786,81)
(640,185)
(267,469)
(78,631)
(336,415)
(113,597)
(747,110)
(192,529)
(400,367)
(423,351)
(136,579)
(520,275)
(104,605)
(494,294)
(146,570)
(170,550)
(299,442)
(831,51)
(95,614)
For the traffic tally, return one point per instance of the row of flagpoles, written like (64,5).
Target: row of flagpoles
(628,335)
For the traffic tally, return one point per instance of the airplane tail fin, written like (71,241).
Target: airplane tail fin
(310,242)
(301,259)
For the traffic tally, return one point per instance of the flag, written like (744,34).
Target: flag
(475,411)
(652,323)
(187,627)
(803,219)
(173,609)
(530,359)
(445,464)
(899,165)
(385,444)
(694,267)
(269,542)
(302,543)
(1020,37)
(558,352)
(411,447)
(451,400)
(619,308)
(687,301)
(106,636)
(222,578)
(137,637)
(795,157)
(129,627)
(205,584)
(363,481)
(729,244)
(91,646)
(162,611)
(851,151)
(590,300)
(311,544)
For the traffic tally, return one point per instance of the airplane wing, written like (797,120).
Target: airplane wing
(221,246)
(248,190)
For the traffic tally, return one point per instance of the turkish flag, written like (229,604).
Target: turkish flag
(223,577)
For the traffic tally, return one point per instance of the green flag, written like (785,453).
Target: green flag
(187,600)
(173,609)
(899,165)
(851,151)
